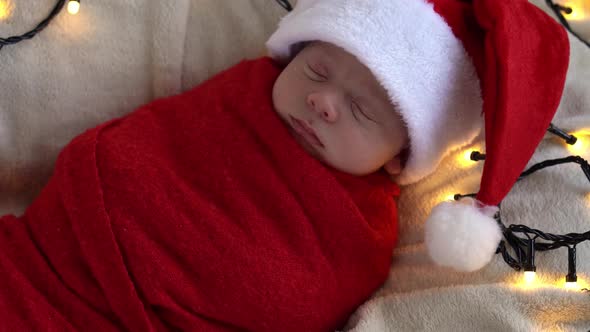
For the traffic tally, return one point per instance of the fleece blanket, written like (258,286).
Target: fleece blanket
(116,55)
(110,58)
(196,212)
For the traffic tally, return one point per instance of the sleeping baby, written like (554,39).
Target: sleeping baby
(262,199)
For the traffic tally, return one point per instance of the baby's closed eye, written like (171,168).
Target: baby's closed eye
(356,108)
(316,73)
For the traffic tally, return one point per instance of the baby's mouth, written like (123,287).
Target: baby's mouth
(305,131)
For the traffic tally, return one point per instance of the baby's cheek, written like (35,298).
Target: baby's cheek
(353,149)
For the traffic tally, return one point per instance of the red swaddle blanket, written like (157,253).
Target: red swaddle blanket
(196,212)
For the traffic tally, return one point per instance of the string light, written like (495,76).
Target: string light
(568,138)
(524,249)
(530,277)
(448,197)
(577,10)
(579,285)
(530,270)
(16,39)
(571,279)
(477,156)
(5,9)
(73,7)
(467,155)
(464,159)
(548,280)
(582,145)
(560,10)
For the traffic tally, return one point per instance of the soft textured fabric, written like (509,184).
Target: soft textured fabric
(125,47)
(110,58)
(196,212)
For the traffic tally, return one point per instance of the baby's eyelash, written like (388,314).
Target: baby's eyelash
(356,107)
(317,73)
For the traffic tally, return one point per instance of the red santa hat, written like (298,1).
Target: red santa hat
(443,63)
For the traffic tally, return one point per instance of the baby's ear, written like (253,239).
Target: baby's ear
(394,166)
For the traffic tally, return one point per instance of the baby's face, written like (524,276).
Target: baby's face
(338,111)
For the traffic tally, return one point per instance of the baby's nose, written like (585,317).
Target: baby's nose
(325,104)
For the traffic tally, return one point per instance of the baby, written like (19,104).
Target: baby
(339,112)
(262,199)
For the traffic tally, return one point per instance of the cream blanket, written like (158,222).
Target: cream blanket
(116,55)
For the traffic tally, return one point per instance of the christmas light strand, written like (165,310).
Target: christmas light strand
(568,138)
(16,39)
(524,248)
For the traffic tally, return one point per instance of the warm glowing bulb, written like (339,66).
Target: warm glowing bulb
(464,158)
(572,285)
(582,146)
(5,9)
(467,155)
(529,276)
(580,10)
(73,7)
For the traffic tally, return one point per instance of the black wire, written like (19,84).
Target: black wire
(548,241)
(552,162)
(15,39)
(285,4)
(569,139)
(557,9)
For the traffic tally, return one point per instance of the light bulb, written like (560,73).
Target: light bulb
(529,268)
(464,158)
(580,10)
(447,197)
(529,277)
(571,285)
(581,147)
(5,9)
(73,7)
(467,155)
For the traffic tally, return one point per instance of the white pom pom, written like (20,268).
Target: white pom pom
(462,235)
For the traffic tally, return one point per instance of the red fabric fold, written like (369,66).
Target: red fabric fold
(197,212)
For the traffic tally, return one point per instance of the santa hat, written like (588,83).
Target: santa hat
(443,63)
